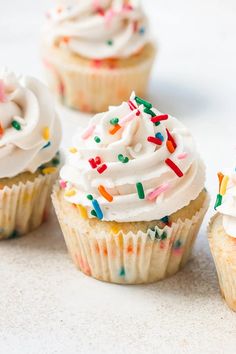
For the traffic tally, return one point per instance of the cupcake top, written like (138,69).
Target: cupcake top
(30,131)
(98,29)
(133,163)
(226,201)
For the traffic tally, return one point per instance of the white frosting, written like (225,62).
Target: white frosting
(29,103)
(146,165)
(228,206)
(98,29)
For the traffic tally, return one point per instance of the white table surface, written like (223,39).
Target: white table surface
(46,305)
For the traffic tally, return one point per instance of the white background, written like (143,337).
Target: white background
(46,305)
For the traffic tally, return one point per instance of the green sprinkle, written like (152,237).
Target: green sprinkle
(164,235)
(114,121)
(149,111)
(90,197)
(141,101)
(97,139)
(122,272)
(110,42)
(140,190)
(14,234)
(55,161)
(93,213)
(16,125)
(218,201)
(177,244)
(123,159)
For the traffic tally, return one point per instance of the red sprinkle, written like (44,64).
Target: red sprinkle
(133,107)
(98,160)
(159,118)
(154,140)
(92,163)
(174,167)
(170,137)
(102,168)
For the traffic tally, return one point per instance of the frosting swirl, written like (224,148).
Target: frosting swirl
(226,202)
(99,29)
(136,163)
(30,131)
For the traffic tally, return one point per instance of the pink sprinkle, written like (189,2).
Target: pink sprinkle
(127,118)
(2,92)
(182,156)
(159,190)
(109,15)
(63,184)
(88,132)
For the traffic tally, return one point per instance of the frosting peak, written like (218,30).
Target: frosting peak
(136,163)
(99,29)
(30,131)
(226,201)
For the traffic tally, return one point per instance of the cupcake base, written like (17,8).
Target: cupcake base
(93,85)
(107,252)
(24,203)
(223,249)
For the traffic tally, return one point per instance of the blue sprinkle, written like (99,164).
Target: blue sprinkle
(122,272)
(47,145)
(159,136)
(97,209)
(142,30)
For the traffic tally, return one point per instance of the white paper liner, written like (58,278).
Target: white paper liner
(225,262)
(94,89)
(130,258)
(25,206)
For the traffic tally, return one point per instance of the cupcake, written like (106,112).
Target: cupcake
(30,134)
(96,52)
(131,195)
(222,237)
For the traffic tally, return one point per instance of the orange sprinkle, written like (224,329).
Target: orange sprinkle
(170,146)
(66,39)
(220,178)
(112,131)
(105,194)
(1,129)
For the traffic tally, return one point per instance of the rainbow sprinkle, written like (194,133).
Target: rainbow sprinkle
(174,167)
(16,125)
(114,121)
(1,129)
(46,133)
(140,190)
(88,132)
(158,191)
(105,194)
(102,168)
(154,140)
(97,209)
(70,193)
(115,129)
(73,150)
(2,92)
(123,159)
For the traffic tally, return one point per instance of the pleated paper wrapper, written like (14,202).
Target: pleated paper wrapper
(223,249)
(91,89)
(131,258)
(25,206)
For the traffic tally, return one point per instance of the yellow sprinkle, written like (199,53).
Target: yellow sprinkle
(83,211)
(115,229)
(70,193)
(49,170)
(46,133)
(73,150)
(223,185)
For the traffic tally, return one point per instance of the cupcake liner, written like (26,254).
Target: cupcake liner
(225,262)
(131,258)
(25,206)
(92,89)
